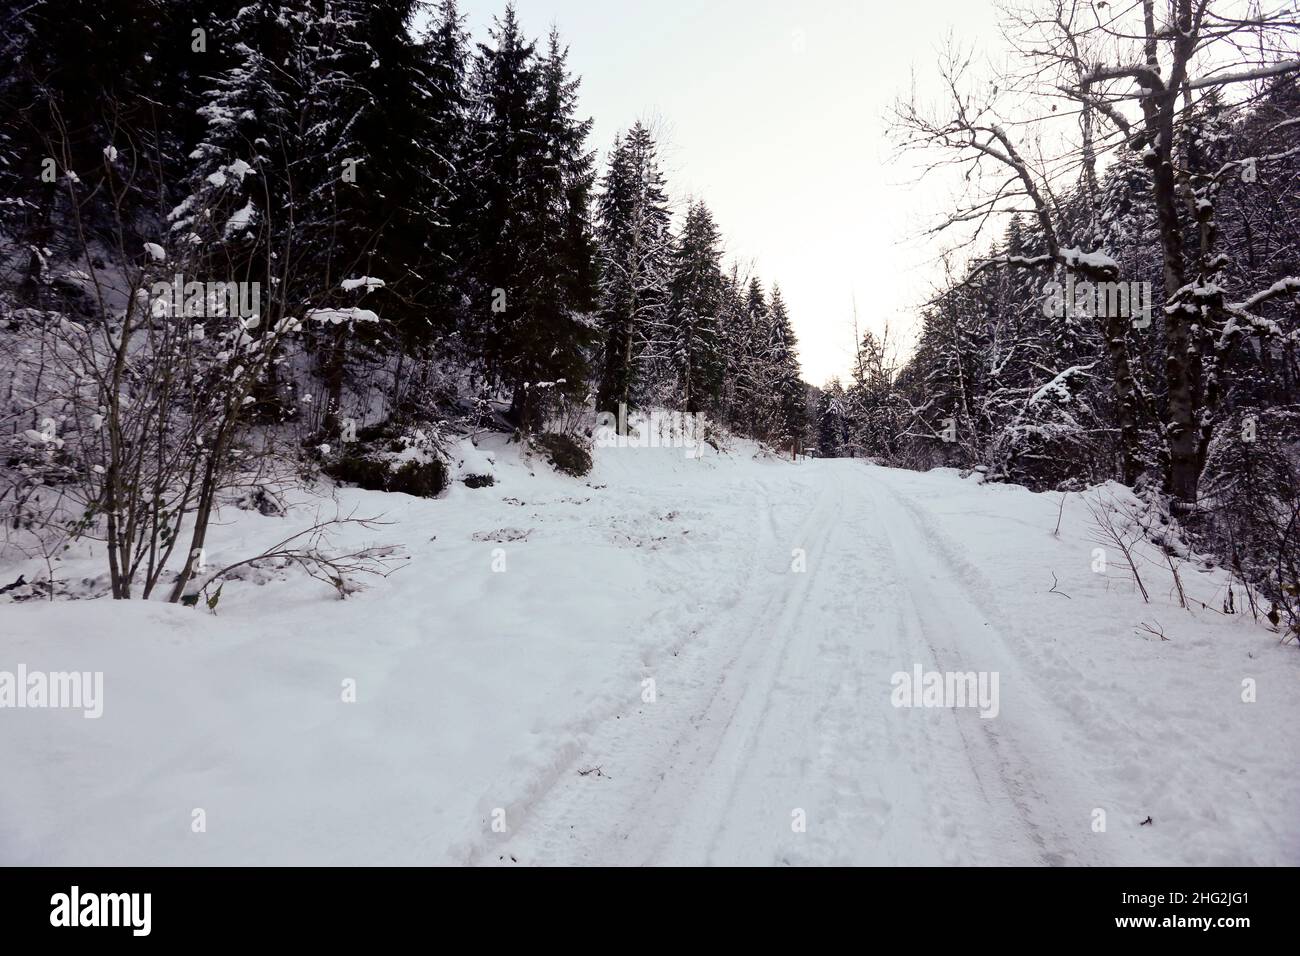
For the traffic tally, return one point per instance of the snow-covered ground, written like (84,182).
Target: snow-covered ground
(671,661)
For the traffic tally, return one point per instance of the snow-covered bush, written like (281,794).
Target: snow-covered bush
(1250,511)
(564,453)
(388,457)
(1052,441)
(473,467)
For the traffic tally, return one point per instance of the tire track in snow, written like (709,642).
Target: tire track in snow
(656,759)
(1009,756)
(782,702)
(715,771)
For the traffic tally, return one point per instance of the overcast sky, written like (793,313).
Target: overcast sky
(775,115)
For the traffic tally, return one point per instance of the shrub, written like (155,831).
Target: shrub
(423,479)
(564,453)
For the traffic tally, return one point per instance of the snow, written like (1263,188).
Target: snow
(155,251)
(525,689)
(470,462)
(1094,260)
(338,316)
(238,168)
(365,282)
(1288,284)
(40,439)
(1059,387)
(242,219)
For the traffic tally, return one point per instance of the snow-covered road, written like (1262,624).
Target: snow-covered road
(673,662)
(772,738)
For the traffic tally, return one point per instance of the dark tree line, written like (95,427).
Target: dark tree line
(309,144)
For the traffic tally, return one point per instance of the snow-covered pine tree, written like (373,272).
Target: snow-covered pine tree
(781,375)
(870,408)
(407,139)
(238,197)
(503,94)
(695,301)
(372,185)
(532,274)
(831,421)
(636,266)
(16,205)
(748,335)
(732,331)
(446,52)
(559,269)
(236,218)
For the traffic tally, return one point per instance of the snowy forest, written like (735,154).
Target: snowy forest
(1196,402)
(471,432)
(432,248)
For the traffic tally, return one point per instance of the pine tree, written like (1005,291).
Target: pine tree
(374,182)
(731,326)
(695,301)
(17,203)
(447,107)
(238,177)
(559,269)
(787,392)
(748,337)
(636,265)
(531,246)
(409,137)
(831,423)
(503,94)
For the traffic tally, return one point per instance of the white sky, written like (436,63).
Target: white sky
(775,115)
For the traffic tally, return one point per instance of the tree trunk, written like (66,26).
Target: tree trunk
(1181,359)
(1125,396)
(335,359)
